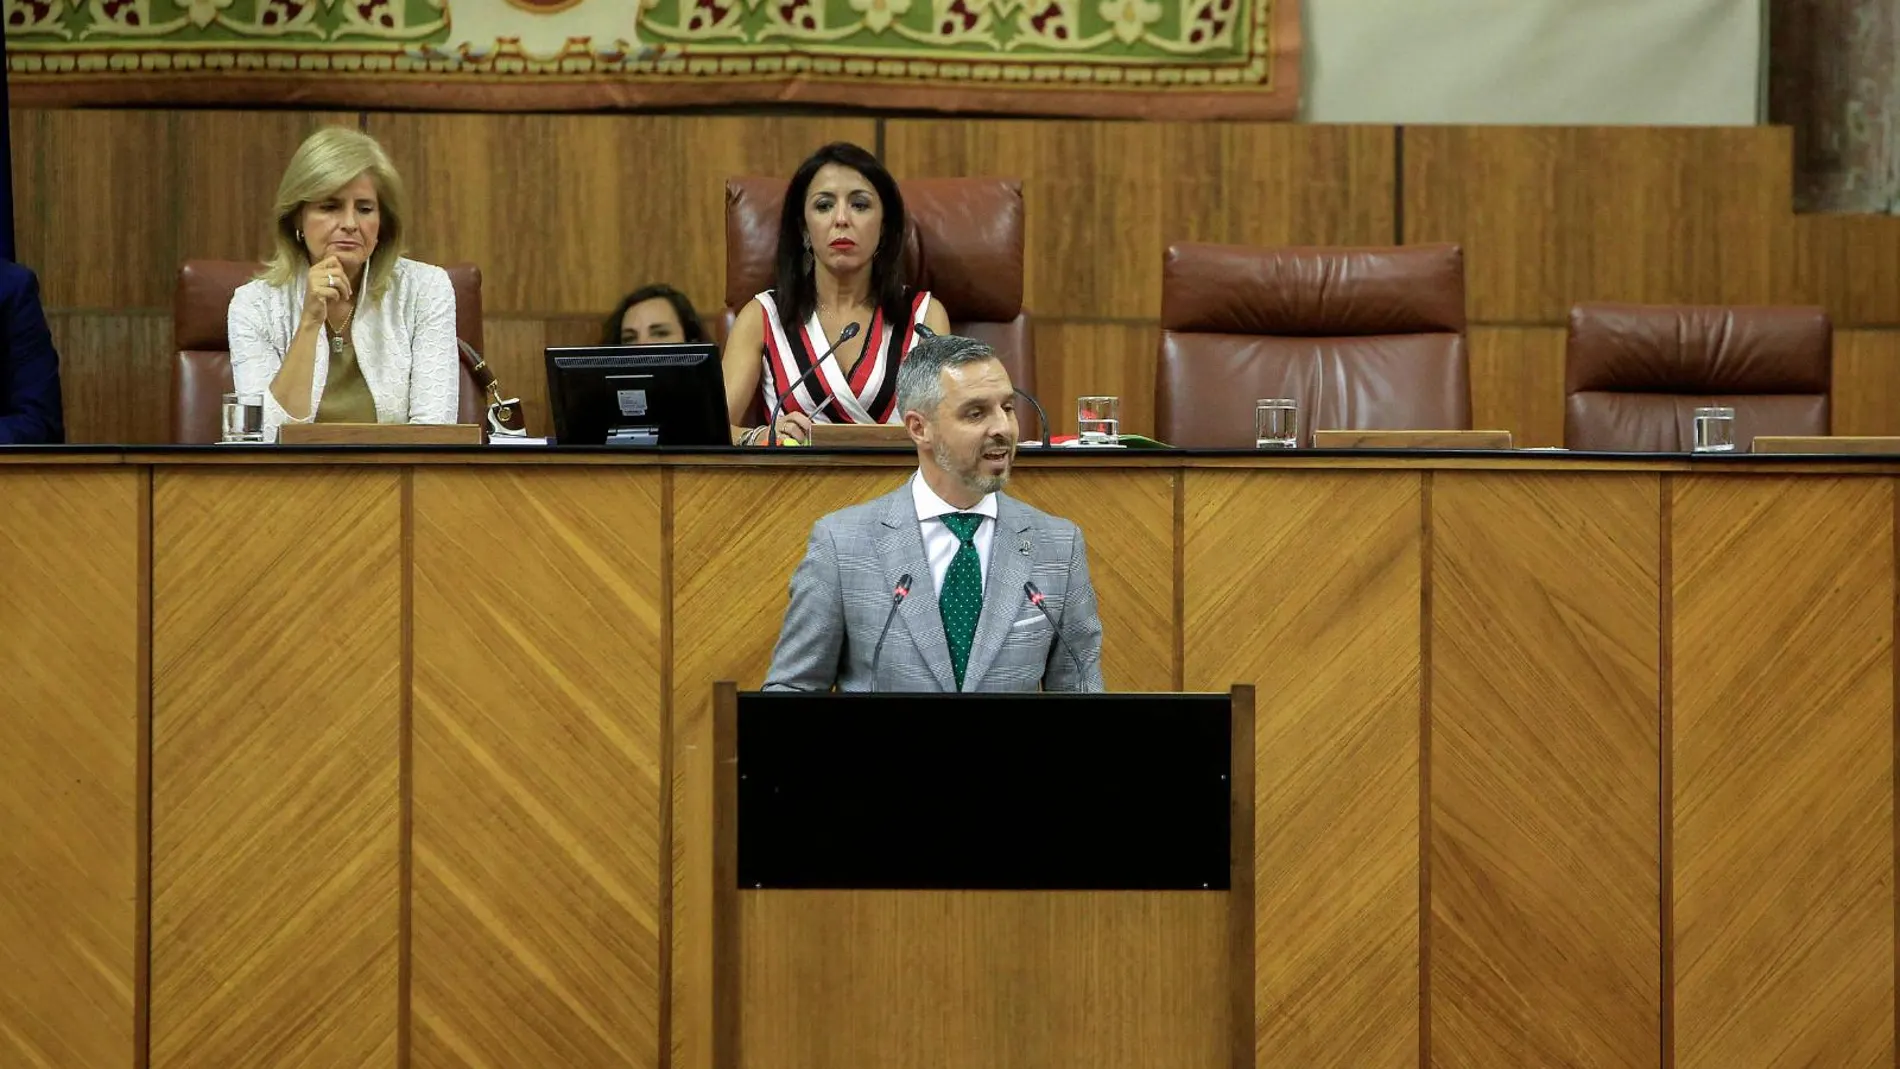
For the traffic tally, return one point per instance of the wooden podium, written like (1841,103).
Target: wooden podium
(985,881)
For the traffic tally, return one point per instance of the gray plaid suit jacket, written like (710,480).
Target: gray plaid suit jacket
(841,594)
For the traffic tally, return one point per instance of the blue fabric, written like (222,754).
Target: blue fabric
(30,412)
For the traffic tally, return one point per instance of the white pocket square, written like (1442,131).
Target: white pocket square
(1028,621)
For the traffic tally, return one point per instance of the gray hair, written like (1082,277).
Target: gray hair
(920,376)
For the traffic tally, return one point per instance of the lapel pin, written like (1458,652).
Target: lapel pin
(1023,548)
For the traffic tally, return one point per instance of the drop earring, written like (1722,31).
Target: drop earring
(808,258)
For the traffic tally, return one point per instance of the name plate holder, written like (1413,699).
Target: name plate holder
(1827,445)
(399,434)
(1411,439)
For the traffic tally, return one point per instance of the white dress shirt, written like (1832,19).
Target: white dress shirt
(940,542)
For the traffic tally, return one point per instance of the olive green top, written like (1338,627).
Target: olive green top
(346,396)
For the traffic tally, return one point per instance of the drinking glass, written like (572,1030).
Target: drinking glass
(1276,423)
(1098,420)
(243,417)
(1715,429)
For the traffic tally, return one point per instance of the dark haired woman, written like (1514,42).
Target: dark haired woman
(840,261)
(651,315)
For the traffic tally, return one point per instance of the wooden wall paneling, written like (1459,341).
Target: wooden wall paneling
(1517,382)
(228,167)
(1549,216)
(978,980)
(1104,198)
(1278,184)
(731,567)
(1127,521)
(1783,725)
(100,245)
(1849,263)
(71,949)
(1091,197)
(538,841)
(94,204)
(1866,395)
(276,722)
(115,375)
(1324,618)
(1077,359)
(567,213)
(1545,762)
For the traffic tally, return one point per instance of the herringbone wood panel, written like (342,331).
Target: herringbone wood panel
(537,716)
(1783,774)
(276,711)
(1307,585)
(1545,922)
(1127,520)
(984,980)
(737,536)
(69,742)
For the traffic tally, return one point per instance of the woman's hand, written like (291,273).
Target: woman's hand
(794,425)
(328,284)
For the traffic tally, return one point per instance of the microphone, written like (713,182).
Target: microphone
(778,407)
(1042,418)
(898,594)
(1036,599)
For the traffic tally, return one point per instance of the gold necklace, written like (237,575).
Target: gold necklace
(336,336)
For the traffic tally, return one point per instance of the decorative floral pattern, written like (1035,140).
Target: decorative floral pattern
(1186,46)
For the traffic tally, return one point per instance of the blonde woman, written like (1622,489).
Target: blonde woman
(340,328)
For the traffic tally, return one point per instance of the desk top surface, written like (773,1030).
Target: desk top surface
(873,457)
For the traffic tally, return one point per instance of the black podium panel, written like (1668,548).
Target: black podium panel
(984,791)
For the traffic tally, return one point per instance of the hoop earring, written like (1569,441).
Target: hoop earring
(300,237)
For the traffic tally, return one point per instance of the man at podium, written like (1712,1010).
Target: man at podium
(945,583)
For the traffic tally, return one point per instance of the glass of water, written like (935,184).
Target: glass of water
(1098,420)
(1715,429)
(243,417)
(1276,423)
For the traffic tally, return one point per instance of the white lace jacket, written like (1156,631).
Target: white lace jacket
(405,344)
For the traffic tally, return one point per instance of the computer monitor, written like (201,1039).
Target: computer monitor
(638,395)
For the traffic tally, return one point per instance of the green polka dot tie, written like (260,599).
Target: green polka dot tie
(961,599)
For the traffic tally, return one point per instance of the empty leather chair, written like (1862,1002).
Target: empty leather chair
(964,243)
(1362,338)
(201,364)
(1634,374)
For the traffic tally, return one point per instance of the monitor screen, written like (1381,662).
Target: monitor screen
(640,395)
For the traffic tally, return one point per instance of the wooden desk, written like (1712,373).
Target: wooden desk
(313,759)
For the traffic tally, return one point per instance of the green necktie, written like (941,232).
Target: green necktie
(961,599)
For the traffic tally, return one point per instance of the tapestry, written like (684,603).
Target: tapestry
(1111,58)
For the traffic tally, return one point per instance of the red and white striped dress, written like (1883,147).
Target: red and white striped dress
(868,394)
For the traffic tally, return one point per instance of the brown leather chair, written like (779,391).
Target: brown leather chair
(964,243)
(201,365)
(1363,338)
(1634,374)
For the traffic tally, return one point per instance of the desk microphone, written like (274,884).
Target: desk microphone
(1036,599)
(778,407)
(898,594)
(1042,418)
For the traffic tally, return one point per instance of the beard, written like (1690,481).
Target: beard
(967,473)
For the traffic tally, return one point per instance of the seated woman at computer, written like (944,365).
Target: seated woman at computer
(840,264)
(651,315)
(339,327)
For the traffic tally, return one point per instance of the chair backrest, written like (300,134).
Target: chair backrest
(1634,374)
(963,242)
(1362,338)
(201,364)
